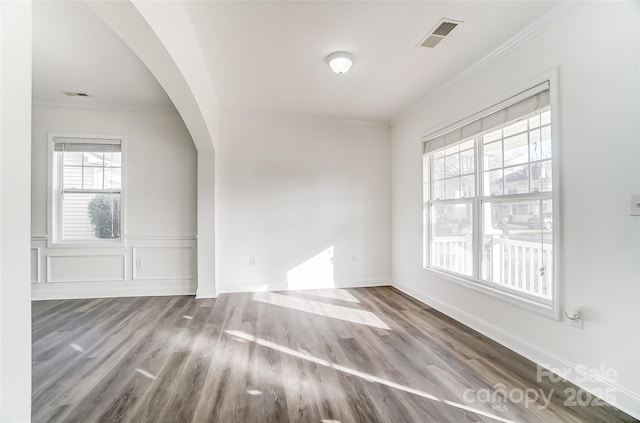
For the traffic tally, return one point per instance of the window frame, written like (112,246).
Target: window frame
(54,203)
(549,308)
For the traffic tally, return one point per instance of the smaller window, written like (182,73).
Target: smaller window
(86,190)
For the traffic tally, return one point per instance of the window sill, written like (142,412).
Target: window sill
(547,308)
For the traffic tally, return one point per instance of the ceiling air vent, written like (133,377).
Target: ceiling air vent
(442,29)
(73,94)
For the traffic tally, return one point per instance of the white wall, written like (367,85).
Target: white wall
(160,208)
(15,127)
(600,152)
(206,224)
(307,197)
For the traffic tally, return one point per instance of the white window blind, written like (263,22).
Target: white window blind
(71,145)
(521,104)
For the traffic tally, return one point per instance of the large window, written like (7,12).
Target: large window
(86,190)
(488,200)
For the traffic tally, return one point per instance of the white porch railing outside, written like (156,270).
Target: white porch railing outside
(521,265)
(453,253)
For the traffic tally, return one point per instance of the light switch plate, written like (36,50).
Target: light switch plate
(635,205)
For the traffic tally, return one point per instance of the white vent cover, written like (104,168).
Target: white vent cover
(74,94)
(437,34)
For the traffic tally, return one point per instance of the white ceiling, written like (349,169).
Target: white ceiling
(269,56)
(73,50)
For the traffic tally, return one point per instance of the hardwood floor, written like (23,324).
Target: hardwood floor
(355,355)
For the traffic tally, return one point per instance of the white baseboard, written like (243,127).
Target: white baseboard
(363,283)
(146,288)
(206,293)
(625,400)
(353,283)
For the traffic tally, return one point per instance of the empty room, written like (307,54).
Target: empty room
(319,211)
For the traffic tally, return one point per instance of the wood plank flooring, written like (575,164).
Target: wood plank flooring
(342,355)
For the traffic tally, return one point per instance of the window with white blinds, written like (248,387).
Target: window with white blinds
(488,199)
(86,189)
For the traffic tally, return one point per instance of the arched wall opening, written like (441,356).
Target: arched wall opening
(174,59)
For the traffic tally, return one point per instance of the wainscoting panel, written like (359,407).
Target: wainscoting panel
(165,266)
(35,265)
(86,268)
(163,262)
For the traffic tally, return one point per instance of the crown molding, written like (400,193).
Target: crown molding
(303,116)
(528,33)
(105,106)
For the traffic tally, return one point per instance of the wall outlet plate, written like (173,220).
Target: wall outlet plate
(635,205)
(578,323)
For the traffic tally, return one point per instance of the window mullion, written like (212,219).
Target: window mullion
(504,179)
(427,235)
(59,214)
(477,237)
(529,155)
(428,213)
(477,209)
(60,194)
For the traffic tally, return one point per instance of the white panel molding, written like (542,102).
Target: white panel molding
(134,266)
(39,238)
(626,400)
(169,108)
(75,290)
(127,283)
(166,247)
(161,242)
(37,261)
(160,237)
(52,257)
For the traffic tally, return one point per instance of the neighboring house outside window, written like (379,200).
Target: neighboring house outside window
(86,190)
(488,201)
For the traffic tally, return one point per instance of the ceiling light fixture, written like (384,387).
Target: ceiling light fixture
(340,62)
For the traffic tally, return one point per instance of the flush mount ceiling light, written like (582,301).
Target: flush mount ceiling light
(340,62)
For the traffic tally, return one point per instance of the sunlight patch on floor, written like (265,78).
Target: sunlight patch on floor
(334,294)
(146,374)
(365,376)
(76,347)
(353,315)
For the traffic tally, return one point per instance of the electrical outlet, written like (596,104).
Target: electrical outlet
(578,323)
(252,261)
(635,205)
(139,263)
(575,317)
